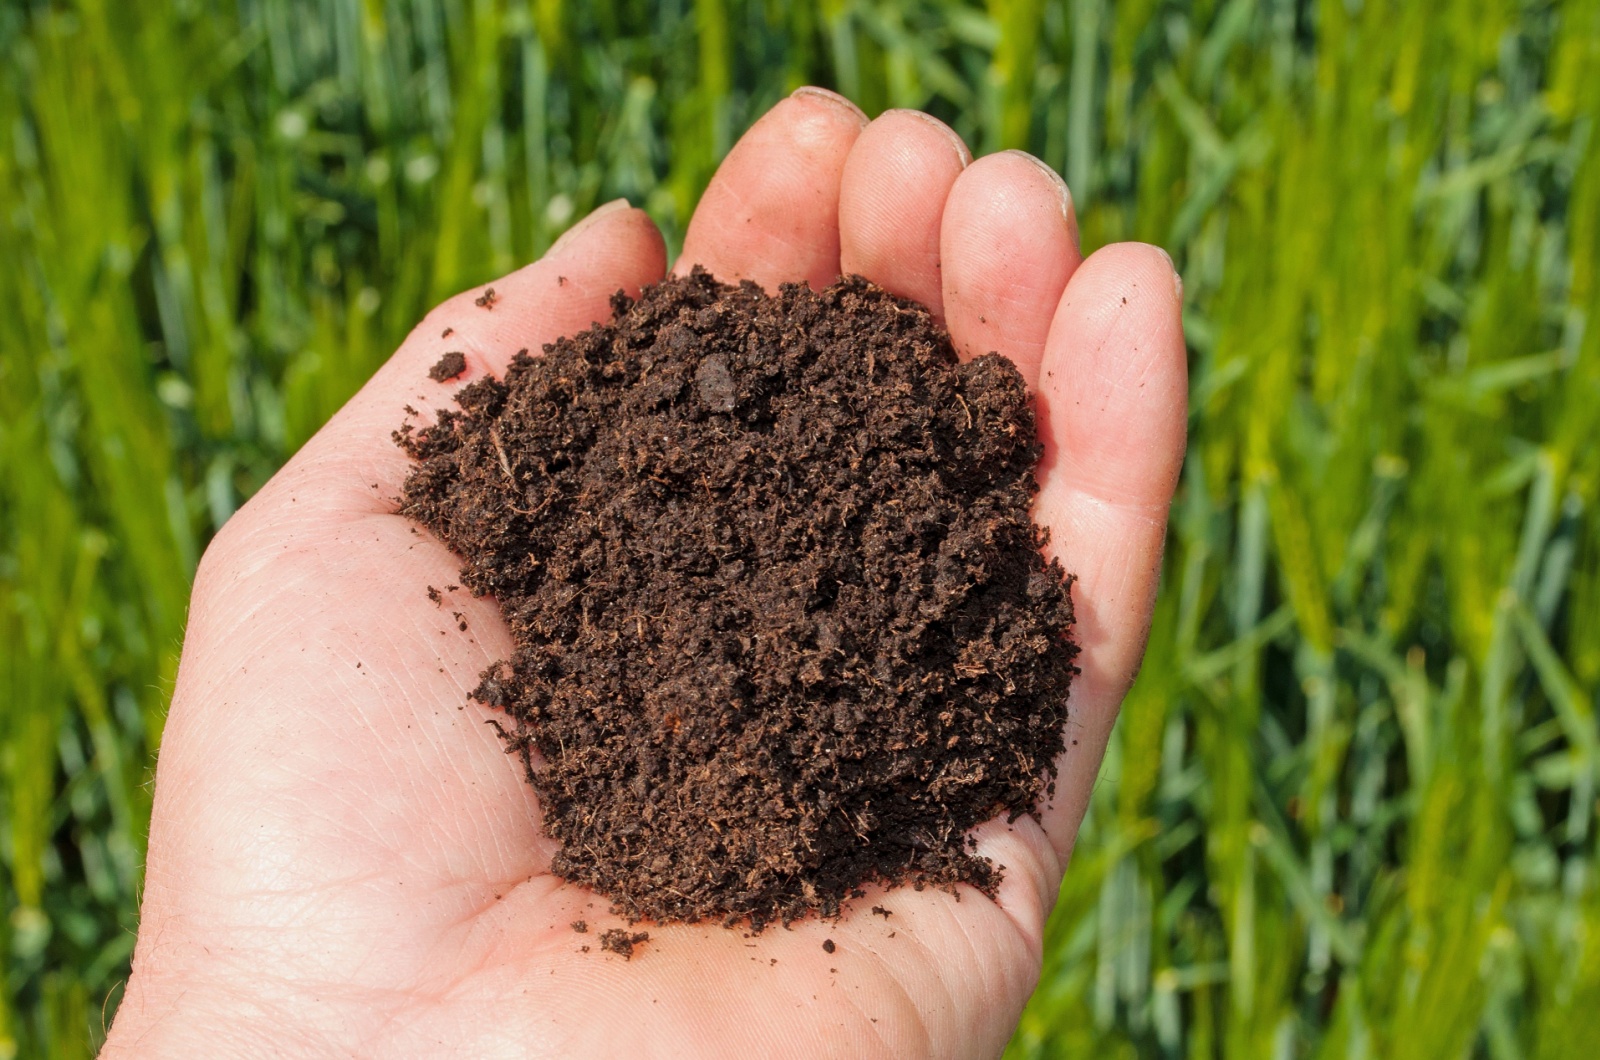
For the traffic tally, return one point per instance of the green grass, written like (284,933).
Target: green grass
(1350,809)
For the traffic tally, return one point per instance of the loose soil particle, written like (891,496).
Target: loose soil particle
(782,625)
(448,367)
(622,942)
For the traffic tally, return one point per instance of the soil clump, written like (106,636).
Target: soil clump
(623,942)
(782,625)
(448,367)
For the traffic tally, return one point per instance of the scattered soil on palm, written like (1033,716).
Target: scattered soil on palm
(448,367)
(782,624)
(623,942)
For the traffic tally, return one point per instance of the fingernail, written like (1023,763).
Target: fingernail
(588,222)
(1177,278)
(831,98)
(1060,185)
(963,154)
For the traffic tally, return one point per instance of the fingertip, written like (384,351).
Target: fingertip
(1009,245)
(1069,212)
(1143,272)
(1115,379)
(812,119)
(1118,334)
(615,246)
(891,203)
(958,146)
(771,212)
(829,98)
(575,231)
(616,235)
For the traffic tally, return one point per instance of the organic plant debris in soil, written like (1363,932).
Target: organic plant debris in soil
(781,622)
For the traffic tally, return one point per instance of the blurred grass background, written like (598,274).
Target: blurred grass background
(1351,807)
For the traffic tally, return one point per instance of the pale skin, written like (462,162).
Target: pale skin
(344,862)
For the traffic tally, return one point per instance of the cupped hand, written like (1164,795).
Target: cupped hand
(343,861)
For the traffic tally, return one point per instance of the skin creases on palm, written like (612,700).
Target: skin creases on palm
(343,860)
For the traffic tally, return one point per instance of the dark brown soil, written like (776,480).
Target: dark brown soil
(781,622)
(448,367)
(622,942)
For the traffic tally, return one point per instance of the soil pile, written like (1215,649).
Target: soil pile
(782,625)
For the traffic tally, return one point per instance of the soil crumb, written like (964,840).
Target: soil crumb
(622,942)
(580,926)
(781,623)
(448,367)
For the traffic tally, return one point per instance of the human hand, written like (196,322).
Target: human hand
(344,861)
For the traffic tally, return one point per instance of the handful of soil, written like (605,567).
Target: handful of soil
(782,626)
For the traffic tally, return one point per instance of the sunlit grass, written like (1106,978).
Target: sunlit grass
(1350,809)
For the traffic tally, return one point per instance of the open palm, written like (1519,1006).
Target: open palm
(344,861)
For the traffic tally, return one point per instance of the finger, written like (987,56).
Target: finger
(353,465)
(1009,244)
(1112,409)
(891,201)
(771,213)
